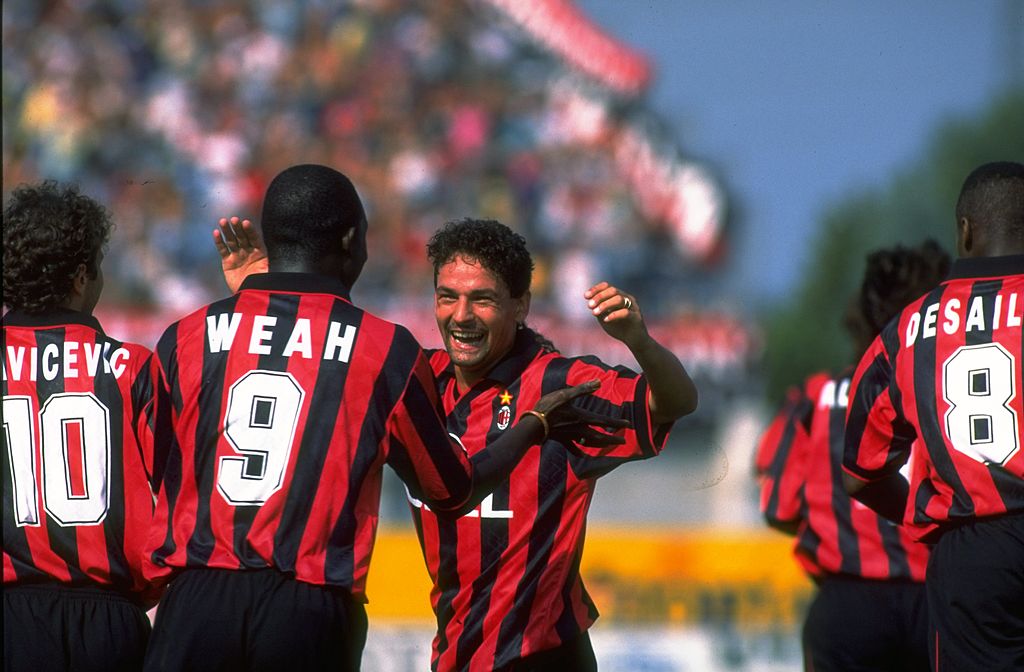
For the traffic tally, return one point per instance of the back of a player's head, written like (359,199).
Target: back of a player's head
(50,230)
(992,197)
(307,211)
(496,247)
(896,276)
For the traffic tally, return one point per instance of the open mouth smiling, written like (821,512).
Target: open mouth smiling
(466,337)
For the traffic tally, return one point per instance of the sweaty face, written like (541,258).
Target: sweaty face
(476,316)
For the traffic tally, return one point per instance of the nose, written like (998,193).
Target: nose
(463,310)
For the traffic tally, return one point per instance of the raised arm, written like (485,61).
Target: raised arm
(241,250)
(672,392)
(435,467)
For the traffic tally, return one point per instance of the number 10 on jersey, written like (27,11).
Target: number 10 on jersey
(74,430)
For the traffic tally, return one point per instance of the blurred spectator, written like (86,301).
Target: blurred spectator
(176,113)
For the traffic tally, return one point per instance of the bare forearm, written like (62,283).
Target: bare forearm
(672,393)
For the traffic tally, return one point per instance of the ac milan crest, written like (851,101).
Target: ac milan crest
(504,417)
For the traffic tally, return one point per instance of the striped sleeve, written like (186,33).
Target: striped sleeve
(623,394)
(433,466)
(877,437)
(781,458)
(146,425)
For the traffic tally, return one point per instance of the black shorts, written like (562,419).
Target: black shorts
(577,655)
(976,596)
(857,624)
(55,627)
(219,619)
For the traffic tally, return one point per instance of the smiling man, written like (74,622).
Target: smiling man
(507,588)
(288,400)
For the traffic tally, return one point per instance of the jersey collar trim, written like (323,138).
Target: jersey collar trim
(310,283)
(51,318)
(987,267)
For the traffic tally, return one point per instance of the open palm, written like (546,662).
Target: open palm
(241,250)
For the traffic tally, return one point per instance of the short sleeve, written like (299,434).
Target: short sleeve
(781,459)
(434,467)
(877,438)
(623,394)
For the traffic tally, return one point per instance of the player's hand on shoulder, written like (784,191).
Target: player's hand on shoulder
(617,312)
(241,250)
(571,424)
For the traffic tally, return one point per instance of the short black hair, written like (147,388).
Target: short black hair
(993,195)
(896,276)
(307,210)
(496,247)
(50,230)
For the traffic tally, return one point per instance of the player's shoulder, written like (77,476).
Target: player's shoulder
(585,364)
(815,382)
(375,326)
(392,338)
(438,358)
(197,319)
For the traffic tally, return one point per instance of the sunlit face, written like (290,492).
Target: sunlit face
(476,316)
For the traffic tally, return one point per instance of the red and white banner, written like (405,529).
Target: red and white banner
(561,27)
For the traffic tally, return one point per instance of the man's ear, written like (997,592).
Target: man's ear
(965,236)
(347,238)
(79,280)
(523,307)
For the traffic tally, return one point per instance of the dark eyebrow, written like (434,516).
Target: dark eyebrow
(475,294)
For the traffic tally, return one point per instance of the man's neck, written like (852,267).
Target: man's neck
(76,303)
(465,379)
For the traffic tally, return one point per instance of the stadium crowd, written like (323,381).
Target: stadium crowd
(171,113)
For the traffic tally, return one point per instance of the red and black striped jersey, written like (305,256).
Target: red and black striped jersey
(800,459)
(506,576)
(287,400)
(777,465)
(77,459)
(945,376)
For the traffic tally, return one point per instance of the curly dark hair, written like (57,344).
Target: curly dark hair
(49,230)
(498,248)
(896,276)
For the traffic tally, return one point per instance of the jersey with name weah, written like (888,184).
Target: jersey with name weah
(287,402)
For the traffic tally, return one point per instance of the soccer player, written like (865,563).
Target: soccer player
(507,588)
(287,402)
(78,447)
(945,378)
(869,612)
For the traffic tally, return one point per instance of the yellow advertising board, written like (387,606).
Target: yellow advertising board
(637,575)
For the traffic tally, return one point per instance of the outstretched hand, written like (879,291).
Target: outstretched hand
(616,312)
(241,250)
(570,424)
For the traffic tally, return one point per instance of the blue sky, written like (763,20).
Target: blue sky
(796,104)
